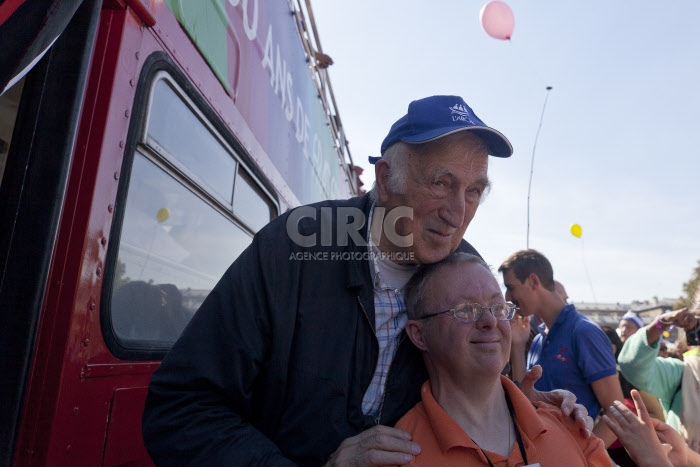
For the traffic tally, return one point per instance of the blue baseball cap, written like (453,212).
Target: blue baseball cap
(433,117)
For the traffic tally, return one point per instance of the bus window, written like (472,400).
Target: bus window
(250,204)
(174,128)
(180,228)
(170,239)
(9,103)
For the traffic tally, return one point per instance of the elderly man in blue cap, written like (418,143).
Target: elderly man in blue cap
(298,356)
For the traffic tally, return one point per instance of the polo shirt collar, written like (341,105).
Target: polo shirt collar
(449,434)
(567,311)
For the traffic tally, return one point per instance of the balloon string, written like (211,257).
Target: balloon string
(532,165)
(588,277)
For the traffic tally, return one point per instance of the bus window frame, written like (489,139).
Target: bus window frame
(174,164)
(156,67)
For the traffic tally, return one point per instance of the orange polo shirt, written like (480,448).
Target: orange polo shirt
(549,437)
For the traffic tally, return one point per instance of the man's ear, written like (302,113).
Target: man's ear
(414,329)
(381,176)
(533,281)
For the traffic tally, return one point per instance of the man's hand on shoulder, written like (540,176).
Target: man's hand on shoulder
(380,445)
(561,398)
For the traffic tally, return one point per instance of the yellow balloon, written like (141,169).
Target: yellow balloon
(163,215)
(576,230)
(666,334)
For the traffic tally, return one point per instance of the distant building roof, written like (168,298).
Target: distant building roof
(611,313)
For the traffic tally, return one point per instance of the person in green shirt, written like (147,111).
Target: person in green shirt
(664,377)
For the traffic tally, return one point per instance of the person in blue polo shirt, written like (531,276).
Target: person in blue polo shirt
(575,354)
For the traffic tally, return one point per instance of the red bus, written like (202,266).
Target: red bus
(139,155)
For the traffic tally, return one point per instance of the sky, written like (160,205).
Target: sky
(617,151)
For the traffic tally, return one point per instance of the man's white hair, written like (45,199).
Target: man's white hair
(396,156)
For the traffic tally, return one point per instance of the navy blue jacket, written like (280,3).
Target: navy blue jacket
(273,367)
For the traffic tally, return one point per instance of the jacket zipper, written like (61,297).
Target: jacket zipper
(371,326)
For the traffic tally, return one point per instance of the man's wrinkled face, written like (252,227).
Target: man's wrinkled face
(444,186)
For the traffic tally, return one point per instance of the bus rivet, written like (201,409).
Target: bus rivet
(86,342)
(110,208)
(138,55)
(76,409)
(92,306)
(121,144)
(116,175)
(98,272)
(126,113)
(103,241)
(131,82)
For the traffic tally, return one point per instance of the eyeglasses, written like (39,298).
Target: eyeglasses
(469,312)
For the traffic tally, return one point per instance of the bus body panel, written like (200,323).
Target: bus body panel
(70,333)
(82,404)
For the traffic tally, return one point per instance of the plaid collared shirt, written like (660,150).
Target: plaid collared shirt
(390,318)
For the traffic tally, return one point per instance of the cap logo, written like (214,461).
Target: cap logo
(459,112)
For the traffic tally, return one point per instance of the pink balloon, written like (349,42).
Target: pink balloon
(497,20)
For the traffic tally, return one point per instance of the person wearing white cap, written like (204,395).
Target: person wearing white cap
(629,324)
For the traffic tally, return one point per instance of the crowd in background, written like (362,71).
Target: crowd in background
(657,419)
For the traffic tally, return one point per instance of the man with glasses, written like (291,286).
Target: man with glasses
(469,413)
(574,353)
